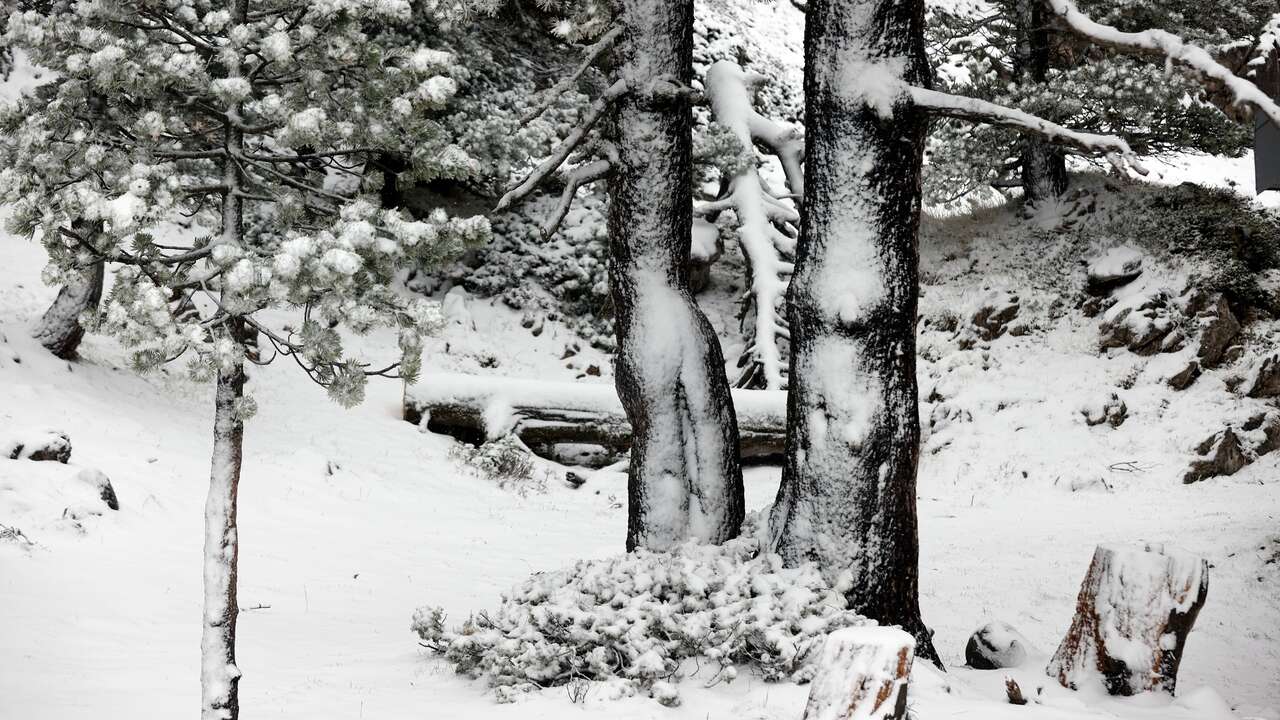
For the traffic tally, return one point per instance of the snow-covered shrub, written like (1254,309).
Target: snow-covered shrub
(639,617)
(506,462)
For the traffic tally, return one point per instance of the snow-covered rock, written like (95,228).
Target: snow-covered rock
(1219,454)
(994,312)
(1264,380)
(1110,410)
(997,645)
(53,446)
(1113,268)
(1219,329)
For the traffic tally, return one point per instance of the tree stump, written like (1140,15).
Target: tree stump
(862,675)
(1136,606)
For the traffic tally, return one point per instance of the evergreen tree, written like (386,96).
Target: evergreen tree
(219,151)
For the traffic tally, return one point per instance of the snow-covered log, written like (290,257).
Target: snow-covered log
(862,675)
(684,480)
(59,329)
(1173,48)
(546,414)
(848,494)
(1136,606)
(766,224)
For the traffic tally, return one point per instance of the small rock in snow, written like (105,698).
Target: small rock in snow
(997,645)
(53,446)
(1115,267)
(1218,329)
(1220,454)
(994,313)
(1111,410)
(1264,381)
(1182,379)
(99,480)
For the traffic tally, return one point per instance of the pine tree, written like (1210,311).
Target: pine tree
(251,124)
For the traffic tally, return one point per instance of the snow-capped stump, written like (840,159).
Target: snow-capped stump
(997,645)
(45,446)
(1219,329)
(1136,607)
(1143,323)
(862,675)
(1264,380)
(1222,453)
(994,313)
(1110,410)
(98,480)
(1112,269)
(1182,379)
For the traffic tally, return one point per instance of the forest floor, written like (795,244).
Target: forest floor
(350,520)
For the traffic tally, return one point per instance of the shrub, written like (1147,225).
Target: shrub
(639,617)
(504,461)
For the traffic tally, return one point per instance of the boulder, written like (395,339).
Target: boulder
(1144,324)
(1113,268)
(1219,454)
(1264,382)
(994,313)
(1182,379)
(1218,331)
(1111,410)
(997,645)
(51,446)
(99,481)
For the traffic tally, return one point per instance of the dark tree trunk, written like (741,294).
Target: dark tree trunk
(685,480)
(848,493)
(1044,164)
(59,329)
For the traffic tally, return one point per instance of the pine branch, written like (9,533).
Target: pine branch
(590,58)
(583,175)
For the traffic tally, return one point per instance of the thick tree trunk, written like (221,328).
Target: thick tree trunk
(1044,164)
(59,330)
(848,493)
(1136,607)
(685,480)
(219,675)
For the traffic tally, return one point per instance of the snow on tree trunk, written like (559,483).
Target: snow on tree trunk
(1044,164)
(862,675)
(684,480)
(1135,609)
(59,330)
(848,493)
(219,675)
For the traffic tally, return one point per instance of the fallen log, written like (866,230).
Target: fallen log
(1136,606)
(573,422)
(862,675)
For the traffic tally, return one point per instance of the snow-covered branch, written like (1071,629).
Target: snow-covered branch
(590,57)
(1115,148)
(576,178)
(1171,47)
(761,217)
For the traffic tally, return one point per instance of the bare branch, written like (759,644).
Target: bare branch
(583,175)
(589,58)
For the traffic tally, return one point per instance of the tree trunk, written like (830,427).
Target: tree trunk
(59,330)
(848,493)
(684,480)
(1135,610)
(1044,164)
(220,678)
(863,674)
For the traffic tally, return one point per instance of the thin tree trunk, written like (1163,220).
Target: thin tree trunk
(1044,164)
(59,329)
(684,480)
(220,678)
(848,492)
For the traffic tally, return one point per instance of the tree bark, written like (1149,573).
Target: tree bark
(1136,607)
(1044,164)
(59,329)
(848,493)
(220,678)
(684,480)
(863,674)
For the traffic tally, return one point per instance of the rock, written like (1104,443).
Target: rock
(98,480)
(1271,435)
(705,248)
(1142,323)
(1182,379)
(1264,382)
(994,313)
(997,645)
(1218,329)
(1117,266)
(1112,411)
(52,446)
(574,480)
(1220,454)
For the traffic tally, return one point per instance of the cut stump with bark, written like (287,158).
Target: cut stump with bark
(1136,607)
(862,675)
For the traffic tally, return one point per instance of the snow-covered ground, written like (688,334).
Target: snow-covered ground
(352,519)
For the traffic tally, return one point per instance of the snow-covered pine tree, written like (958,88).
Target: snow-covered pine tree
(1014,52)
(685,479)
(251,123)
